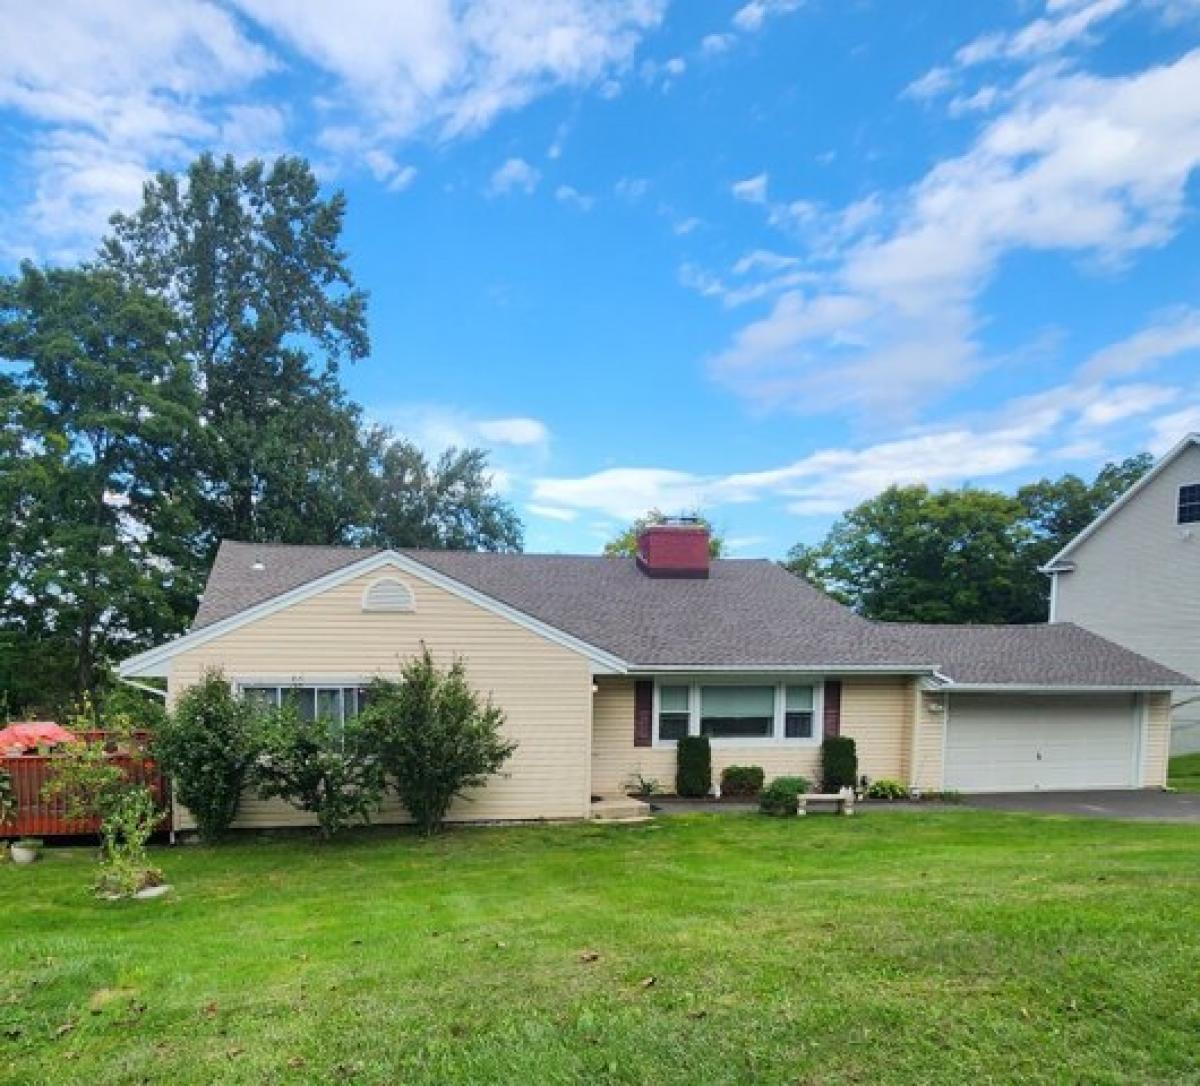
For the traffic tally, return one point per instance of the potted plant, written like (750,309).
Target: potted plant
(25,850)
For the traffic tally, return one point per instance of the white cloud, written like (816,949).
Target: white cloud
(436,428)
(513,431)
(458,66)
(1169,430)
(1077,163)
(686,226)
(631,188)
(386,170)
(514,174)
(753,189)
(1173,333)
(552,512)
(115,90)
(751,16)
(568,194)
(713,44)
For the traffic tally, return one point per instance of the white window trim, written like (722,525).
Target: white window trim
(777,741)
(324,683)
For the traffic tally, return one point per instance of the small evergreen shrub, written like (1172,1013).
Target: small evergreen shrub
(781,798)
(839,763)
(742,780)
(887,789)
(693,766)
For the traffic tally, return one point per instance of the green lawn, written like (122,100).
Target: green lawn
(908,948)
(1184,772)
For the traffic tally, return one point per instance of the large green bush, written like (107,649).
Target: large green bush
(742,780)
(693,766)
(329,769)
(839,763)
(436,737)
(207,747)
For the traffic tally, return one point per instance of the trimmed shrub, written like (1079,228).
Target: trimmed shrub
(693,766)
(436,737)
(887,789)
(839,763)
(207,747)
(742,780)
(781,798)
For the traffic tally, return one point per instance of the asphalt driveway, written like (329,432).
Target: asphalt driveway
(1134,806)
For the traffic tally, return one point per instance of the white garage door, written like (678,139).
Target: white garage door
(1014,743)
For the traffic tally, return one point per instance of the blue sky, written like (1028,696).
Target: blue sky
(758,258)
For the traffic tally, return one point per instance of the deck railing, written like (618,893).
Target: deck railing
(37,816)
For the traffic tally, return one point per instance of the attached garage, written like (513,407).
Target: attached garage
(1042,742)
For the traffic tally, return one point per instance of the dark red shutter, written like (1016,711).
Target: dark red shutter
(833,707)
(643,713)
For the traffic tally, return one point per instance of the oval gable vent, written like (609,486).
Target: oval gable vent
(388,594)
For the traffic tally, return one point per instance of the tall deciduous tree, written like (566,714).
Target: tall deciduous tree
(449,503)
(249,256)
(958,555)
(94,423)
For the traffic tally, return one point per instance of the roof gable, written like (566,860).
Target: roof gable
(1061,560)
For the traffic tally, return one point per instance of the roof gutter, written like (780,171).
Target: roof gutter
(775,669)
(1059,688)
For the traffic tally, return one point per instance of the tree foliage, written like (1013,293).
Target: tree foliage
(436,737)
(97,420)
(182,389)
(967,555)
(207,748)
(624,544)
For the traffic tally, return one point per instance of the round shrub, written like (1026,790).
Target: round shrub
(742,780)
(781,798)
(887,789)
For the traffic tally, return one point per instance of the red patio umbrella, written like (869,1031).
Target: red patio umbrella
(31,735)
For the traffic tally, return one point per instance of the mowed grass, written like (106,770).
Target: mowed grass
(889,948)
(1183,772)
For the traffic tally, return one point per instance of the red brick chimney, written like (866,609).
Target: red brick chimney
(678,547)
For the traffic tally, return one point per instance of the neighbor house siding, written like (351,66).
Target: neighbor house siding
(876,712)
(543,688)
(1136,580)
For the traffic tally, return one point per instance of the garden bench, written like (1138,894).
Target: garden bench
(842,802)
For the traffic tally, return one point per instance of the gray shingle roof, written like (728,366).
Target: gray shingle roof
(746,613)
(1056,654)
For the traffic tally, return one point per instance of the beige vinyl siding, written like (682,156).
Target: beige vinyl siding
(544,688)
(1158,740)
(876,711)
(929,742)
(1136,581)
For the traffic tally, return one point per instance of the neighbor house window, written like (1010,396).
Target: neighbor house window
(674,711)
(737,712)
(733,713)
(336,703)
(1189,504)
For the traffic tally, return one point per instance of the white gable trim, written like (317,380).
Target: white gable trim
(154,661)
(1058,562)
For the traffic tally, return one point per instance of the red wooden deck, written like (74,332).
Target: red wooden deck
(39,817)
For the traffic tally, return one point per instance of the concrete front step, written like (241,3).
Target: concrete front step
(619,809)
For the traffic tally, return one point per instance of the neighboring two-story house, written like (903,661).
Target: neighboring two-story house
(1133,576)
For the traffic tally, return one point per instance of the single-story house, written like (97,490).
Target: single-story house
(602,663)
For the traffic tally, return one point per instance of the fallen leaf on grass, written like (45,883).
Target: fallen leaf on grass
(590,956)
(697,1015)
(64,1029)
(211,1010)
(648,982)
(235,1051)
(296,1062)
